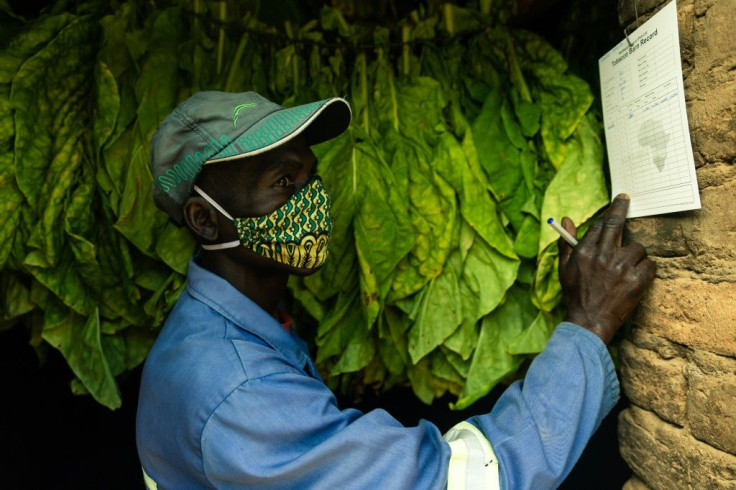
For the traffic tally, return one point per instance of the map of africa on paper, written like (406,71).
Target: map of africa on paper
(647,135)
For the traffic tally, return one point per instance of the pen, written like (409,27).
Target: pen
(563,232)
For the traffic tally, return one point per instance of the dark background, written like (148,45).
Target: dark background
(50,438)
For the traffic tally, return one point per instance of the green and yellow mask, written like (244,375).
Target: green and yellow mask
(295,234)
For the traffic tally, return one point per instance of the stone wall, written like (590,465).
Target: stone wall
(678,365)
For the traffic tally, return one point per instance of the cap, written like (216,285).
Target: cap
(211,127)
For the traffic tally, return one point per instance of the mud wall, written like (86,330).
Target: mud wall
(678,365)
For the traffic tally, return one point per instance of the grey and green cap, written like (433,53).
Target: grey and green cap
(211,127)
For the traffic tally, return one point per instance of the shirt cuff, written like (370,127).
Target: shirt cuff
(592,345)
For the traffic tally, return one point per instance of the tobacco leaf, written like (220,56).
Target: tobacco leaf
(79,340)
(492,360)
(382,228)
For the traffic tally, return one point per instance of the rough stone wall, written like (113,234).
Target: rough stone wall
(678,366)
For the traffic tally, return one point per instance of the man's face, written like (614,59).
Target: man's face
(260,185)
(272,179)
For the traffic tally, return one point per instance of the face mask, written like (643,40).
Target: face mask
(296,234)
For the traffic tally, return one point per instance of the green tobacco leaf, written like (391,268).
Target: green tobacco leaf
(49,122)
(562,110)
(119,36)
(528,114)
(459,364)
(459,19)
(119,297)
(113,348)
(533,338)
(394,350)
(510,167)
(78,339)
(177,287)
(443,369)
(15,298)
(138,341)
(485,278)
(306,298)
(492,360)
(487,275)
(113,170)
(81,233)
(527,240)
(47,98)
(358,354)
(433,213)
(63,170)
(343,332)
(157,86)
(124,349)
(175,246)
(137,218)
(10,206)
(495,152)
(63,261)
(439,314)
(420,102)
(107,105)
(546,287)
(281,76)
(7,130)
(425,384)
(391,357)
(157,301)
(476,204)
(563,98)
(63,280)
(464,340)
(339,325)
(383,232)
(384,101)
(512,127)
(333,19)
(27,43)
(151,274)
(581,175)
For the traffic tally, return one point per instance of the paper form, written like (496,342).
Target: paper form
(647,135)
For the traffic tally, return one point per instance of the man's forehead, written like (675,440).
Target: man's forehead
(295,151)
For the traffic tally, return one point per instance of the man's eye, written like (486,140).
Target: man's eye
(284,182)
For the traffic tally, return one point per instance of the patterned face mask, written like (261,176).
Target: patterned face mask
(296,234)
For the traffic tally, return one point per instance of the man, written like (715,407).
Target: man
(230,397)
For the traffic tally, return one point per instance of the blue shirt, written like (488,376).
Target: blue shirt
(230,399)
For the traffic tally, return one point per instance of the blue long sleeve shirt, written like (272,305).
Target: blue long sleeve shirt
(230,399)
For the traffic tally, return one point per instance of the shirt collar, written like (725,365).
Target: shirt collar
(223,297)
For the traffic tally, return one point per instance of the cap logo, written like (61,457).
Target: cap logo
(237,109)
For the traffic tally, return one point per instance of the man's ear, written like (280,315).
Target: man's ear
(201,219)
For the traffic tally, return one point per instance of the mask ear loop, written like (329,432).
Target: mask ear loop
(218,246)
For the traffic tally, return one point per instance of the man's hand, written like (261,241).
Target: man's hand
(602,281)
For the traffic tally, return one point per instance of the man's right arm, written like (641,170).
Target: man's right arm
(539,427)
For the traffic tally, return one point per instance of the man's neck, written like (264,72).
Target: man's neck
(264,288)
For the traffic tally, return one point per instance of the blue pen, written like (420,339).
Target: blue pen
(563,232)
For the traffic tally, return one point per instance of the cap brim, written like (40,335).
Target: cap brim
(329,120)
